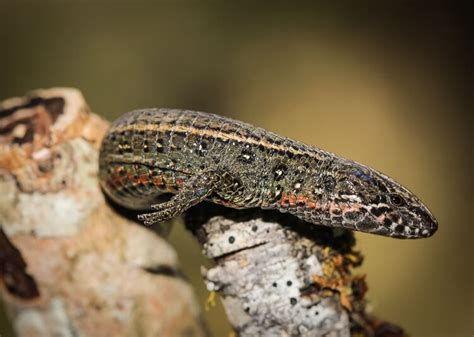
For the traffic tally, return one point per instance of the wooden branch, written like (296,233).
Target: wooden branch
(70,265)
(278,276)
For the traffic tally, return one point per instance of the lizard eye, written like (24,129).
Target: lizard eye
(396,200)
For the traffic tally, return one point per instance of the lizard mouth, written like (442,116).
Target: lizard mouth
(408,224)
(384,220)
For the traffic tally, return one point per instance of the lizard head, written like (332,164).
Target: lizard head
(364,199)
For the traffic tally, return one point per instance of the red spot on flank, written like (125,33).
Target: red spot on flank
(292,199)
(301,200)
(157,181)
(132,178)
(144,179)
(284,200)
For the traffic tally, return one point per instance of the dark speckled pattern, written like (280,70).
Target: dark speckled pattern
(197,156)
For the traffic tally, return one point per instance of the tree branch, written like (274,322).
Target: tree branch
(279,276)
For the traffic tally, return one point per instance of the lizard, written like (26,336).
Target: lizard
(197,156)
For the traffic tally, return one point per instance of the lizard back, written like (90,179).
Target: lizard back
(198,156)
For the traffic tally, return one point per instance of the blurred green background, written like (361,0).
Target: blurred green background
(384,84)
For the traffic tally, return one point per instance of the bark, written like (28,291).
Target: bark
(70,264)
(278,276)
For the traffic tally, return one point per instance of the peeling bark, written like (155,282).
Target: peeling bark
(70,265)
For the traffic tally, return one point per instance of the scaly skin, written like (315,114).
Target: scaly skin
(199,156)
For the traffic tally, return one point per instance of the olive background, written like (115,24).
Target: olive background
(386,84)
